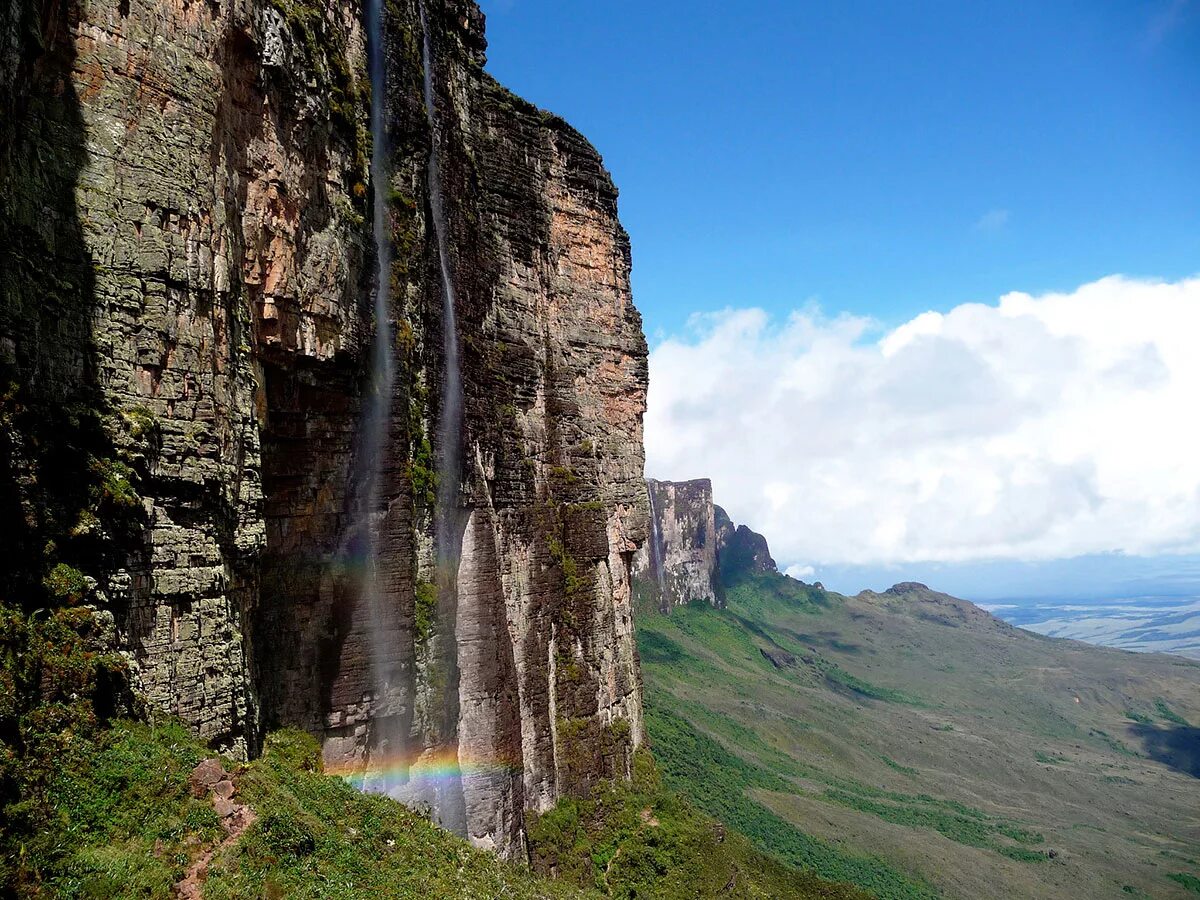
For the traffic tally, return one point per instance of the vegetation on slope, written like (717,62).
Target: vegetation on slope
(639,840)
(97,806)
(718,782)
(909,743)
(121,822)
(318,837)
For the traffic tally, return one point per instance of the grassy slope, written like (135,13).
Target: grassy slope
(119,822)
(97,806)
(123,824)
(922,730)
(639,840)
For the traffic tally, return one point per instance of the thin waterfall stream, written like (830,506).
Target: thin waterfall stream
(656,562)
(366,511)
(447,784)
(390,769)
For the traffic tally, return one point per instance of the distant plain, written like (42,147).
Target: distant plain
(1147,624)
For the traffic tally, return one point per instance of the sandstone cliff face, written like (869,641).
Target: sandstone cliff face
(693,549)
(210,199)
(185,270)
(678,563)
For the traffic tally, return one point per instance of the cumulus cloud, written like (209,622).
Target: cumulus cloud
(1034,428)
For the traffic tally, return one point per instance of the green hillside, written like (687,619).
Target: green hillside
(96,806)
(912,744)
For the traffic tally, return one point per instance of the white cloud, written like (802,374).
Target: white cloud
(799,572)
(1035,428)
(993,220)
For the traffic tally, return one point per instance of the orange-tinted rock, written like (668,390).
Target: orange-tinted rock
(206,776)
(185,234)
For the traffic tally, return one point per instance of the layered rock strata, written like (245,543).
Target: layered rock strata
(694,549)
(678,563)
(739,549)
(184,260)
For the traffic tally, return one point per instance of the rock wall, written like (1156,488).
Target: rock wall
(678,563)
(212,203)
(740,550)
(693,549)
(185,269)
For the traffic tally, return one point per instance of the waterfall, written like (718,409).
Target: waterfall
(366,512)
(447,787)
(655,540)
(450,427)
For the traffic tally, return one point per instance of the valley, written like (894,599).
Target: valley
(914,740)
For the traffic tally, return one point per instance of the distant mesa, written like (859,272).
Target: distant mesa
(678,562)
(693,548)
(740,549)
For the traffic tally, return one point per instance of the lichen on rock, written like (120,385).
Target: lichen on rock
(185,276)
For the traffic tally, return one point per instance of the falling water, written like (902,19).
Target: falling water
(451,422)
(655,540)
(367,515)
(448,796)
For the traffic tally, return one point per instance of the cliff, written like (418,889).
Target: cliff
(694,550)
(739,549)
(678,562)
(186,283)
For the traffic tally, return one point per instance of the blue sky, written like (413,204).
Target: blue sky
(881,158)
(817,193)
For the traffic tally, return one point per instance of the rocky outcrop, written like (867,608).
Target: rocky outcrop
(694,550)
(915,599)
(194,164)
(678,563)
(739,549)
(185,325)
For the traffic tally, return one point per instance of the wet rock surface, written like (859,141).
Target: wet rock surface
(186,235)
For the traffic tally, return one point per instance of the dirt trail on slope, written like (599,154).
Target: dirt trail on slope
(209,778)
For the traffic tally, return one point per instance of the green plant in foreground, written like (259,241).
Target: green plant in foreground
(120,822)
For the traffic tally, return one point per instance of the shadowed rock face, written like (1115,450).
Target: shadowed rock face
(214,207)
(739,549)
(678,563)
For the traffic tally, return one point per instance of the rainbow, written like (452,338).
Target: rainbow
(440,766)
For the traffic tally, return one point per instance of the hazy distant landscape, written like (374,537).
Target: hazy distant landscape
(1146,624)
(913,745)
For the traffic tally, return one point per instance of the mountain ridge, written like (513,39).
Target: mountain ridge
(964,755)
